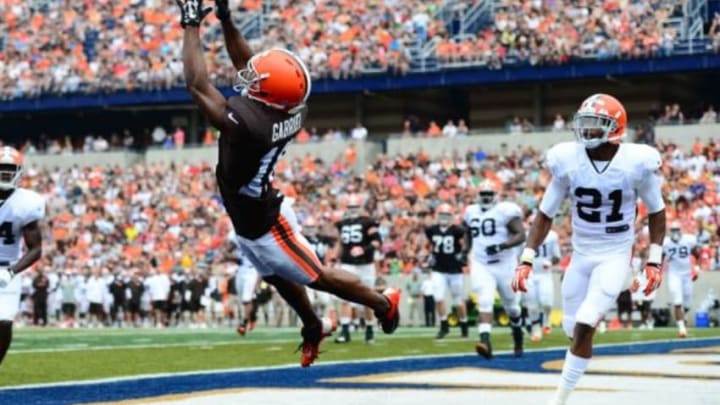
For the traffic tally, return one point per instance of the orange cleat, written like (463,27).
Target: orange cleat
(312,337)
(391,319)
(547,330)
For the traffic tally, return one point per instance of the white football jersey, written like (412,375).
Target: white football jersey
(549,249)
(490,228)
(21,208)
(679,254)
(603,195)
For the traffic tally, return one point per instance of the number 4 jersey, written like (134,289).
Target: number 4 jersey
(491,228)
(21,208)
(603,195)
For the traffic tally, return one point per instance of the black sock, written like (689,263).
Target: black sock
(369,334)
(485,338)
(516,330)
(346,331)
(464,328)
(5,338)
(444,326)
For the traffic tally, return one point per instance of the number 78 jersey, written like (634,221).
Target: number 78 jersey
(21,208)
(603,195)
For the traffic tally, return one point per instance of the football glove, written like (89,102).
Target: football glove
(222,10)
(6,276)
(694,273)
(653,274)
(461,257)
(192,12)
(493,250)
(522,272)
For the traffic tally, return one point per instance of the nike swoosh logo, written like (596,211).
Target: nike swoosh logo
(232,118)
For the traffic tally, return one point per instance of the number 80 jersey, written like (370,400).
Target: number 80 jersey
(491,228)
(21,208)
(603,195)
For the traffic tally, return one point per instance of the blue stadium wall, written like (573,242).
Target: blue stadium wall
(484,98)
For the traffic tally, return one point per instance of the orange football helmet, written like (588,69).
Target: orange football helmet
(600,119)
(11,163)
(277,78)
(444,214)
(488,192)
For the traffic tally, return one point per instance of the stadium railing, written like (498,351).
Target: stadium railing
(367,152)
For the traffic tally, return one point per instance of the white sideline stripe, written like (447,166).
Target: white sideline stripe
(74,347)
(84,346)
(326,364)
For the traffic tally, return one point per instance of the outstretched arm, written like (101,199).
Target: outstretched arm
(205,95)
(236,46)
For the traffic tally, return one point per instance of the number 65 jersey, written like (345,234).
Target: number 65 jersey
(603,195)
(21,208)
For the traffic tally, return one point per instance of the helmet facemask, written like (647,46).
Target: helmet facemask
(592,129)
(9,176)
(675,234)
(487,199)
(445,219)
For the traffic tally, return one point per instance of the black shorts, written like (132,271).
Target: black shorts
(624,301)
(133,307)
(159,305)
(195,306)
(68,308)
(95,309)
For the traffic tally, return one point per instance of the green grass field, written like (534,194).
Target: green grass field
(53,355)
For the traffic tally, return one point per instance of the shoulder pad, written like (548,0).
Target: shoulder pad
(558,158)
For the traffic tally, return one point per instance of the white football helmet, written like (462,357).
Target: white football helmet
(488,195)
(11,163)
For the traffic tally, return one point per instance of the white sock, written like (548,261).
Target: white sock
(443,318)
(344,320)
(463,320)
(484,327)
(573,369)
(680,324)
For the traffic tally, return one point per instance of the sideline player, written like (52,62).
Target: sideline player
(539,298)
(679,249)
(323,302)
(495,229)
(359,240)
(256,127)
(246,282)
(603,178)
(21,211)
(448,256)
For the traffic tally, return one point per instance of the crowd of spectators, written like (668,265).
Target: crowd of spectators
(104,46)
(554,32)
(160,223)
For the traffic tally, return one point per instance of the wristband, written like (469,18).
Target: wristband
(655,254)
(528,255)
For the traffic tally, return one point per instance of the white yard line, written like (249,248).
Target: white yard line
(324,364)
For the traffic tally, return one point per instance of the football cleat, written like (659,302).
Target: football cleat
(547,330)
(242,329)
(391,319)
(682,333)
(484,350)
(312,337)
